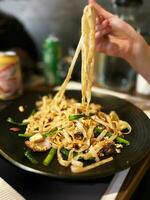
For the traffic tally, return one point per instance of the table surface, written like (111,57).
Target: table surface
(33,186)
(38,187)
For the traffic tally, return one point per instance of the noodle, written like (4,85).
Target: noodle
(88,53)
(80,129)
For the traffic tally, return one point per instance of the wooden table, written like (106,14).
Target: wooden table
(133,179)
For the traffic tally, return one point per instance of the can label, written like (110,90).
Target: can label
(10,77)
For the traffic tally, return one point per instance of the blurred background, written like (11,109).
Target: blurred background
(35,20)
(25,27)
(59,17)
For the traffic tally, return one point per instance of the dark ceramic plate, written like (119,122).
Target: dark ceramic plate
(12,147)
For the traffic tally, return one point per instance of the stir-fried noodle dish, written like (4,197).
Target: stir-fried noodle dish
(79,134)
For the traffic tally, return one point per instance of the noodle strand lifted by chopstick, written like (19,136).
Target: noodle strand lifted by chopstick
(88,53)
(68,77)
(87,45)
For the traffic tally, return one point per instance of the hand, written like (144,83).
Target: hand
(115,37)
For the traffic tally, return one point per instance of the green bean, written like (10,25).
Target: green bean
(49,157)
(30,157)
(119,139)
(122,141)
(26,135)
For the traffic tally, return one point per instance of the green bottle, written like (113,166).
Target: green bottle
(52,54)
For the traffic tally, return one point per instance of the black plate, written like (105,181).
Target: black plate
(12,147)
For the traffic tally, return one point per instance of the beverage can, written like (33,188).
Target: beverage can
(10,76)
(52,54)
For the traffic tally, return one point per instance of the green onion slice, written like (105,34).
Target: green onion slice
(10,120)
(51,132)
(75,117)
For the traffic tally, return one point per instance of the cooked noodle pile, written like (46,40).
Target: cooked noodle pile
(83,135)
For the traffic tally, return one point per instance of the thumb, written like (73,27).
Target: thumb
(100,11)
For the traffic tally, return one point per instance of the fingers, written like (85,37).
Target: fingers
(99,19)
(104,24)
(102,33)
(100,11)
(102,28)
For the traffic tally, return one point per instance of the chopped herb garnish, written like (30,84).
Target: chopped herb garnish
(33,112)
(51,132)
(109,134)
(65,152)
(75,117)
(98,130)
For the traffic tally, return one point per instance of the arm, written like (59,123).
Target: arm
(115,37)
(140,58)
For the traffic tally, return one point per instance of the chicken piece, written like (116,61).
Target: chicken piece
(36,138)
(39,146)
